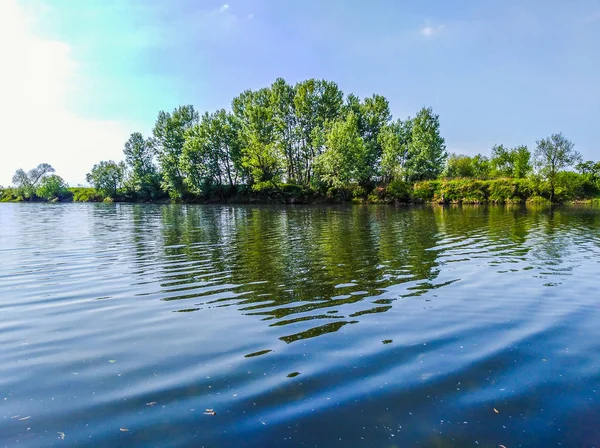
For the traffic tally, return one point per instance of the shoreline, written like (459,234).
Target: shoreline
(443,192)
(590,201)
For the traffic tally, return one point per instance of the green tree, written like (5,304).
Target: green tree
(139,155)
(317,102)
(481,166)
(25,184)
(426,154)
(345,160)
(285,125)
(373,116)
(589,169)
(226,142)
(107,177)
(459,165)
(552,155)
(212,152)
(502,161)
(261,158)
(522,162)
(22,184)
(394,140)
(52,187)
(169,137)
(198,160)
(515,162)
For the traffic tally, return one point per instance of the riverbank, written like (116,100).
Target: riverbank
(444,191)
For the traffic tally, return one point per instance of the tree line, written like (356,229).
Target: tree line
(310,136)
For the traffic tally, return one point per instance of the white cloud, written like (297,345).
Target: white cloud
(224,8)
(36,79)
(430,31)
(250,16)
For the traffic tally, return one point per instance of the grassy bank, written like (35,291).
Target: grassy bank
(453,191)
(569,188)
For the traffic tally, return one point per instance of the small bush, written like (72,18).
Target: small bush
(510,190)
(572,186)
(359,192)
(85,194)
(538,200)
(398,191)
(9,195)
(425,191)
(461,191)
(53,188)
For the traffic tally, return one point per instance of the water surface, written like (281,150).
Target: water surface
(120,325)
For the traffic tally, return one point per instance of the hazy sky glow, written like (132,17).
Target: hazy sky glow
(79,76)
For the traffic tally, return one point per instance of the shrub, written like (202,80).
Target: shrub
(573,186)
(53,187)
(85,194)
(461,190)
(538,200)
(359,192)
(7,195)
(510,190)
(398,190)
(424,191)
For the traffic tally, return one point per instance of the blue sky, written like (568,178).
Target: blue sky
(498,71)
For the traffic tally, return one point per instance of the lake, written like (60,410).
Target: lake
(257,326)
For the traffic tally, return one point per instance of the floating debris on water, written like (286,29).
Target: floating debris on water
(210,412)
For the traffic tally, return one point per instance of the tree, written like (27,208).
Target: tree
(317,102)
(52,187)
(139,155)
(169,137)
(107,177)
(502,161)
(515,162)
(261,158)
(212,152)
(373,116)
(22,184)
(426,152)
(226,142)
(552,155)
(459,165)
(345,159)
(26,183)
(198,161)
(481,166)
(589,169)
(285,127)
(522,162)
(394,140)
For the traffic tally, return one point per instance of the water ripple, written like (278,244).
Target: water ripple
(338,326)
